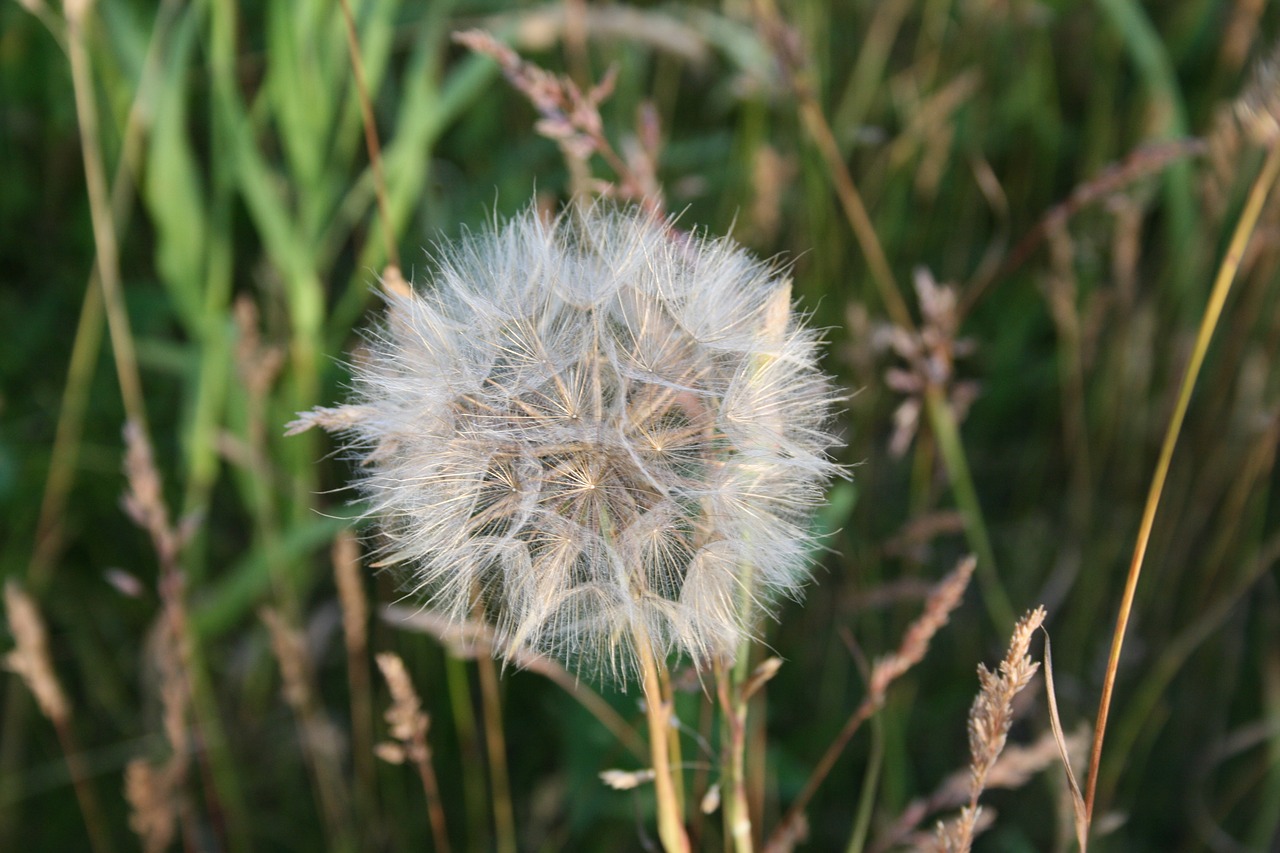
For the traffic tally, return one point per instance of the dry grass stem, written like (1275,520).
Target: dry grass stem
(938,608)
(104,229)
(156,792)
(989,722)
(1016,766)
(572,119)
(792,57)
(1080,812)
(409,725)
(355,634)
(1226,275)
(145,505)
(504,820)
(149,793)
(31,661)
(370,133)
(320,740)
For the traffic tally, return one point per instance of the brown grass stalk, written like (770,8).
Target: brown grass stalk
(156,793)
(944,599)
(409,726)
(370,134)
(1226,275)
(800,77)
(355,634)
(504,820)
(317,737)
(145,505)
(989,722)
(31,661)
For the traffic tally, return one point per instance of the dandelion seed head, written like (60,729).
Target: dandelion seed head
(591,430)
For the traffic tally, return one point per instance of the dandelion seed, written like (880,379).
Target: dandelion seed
(595,430)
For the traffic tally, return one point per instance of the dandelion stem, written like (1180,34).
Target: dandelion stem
(737,811)
(1213,311)
(658,710)
(675,754)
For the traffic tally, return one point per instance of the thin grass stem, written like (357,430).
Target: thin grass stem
(816,125)
(951,449)
(370,135)
(95,824)
(869,788)
(463,711)
(355,622)
(1258,194)
(499,779)
(104,231)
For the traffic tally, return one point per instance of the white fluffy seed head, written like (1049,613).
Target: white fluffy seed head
(595,430)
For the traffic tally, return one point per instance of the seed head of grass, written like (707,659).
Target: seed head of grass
(593,432)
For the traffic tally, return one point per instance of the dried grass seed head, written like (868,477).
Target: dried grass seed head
(594,430)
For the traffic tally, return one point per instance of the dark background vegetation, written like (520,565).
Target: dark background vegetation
(963,122)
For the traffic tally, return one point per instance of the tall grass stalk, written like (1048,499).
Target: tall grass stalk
(32,662)
(1230,265)
(370,134)
(345,556)
(104,229)
(409,725)
(951,448)
(65,452)
(316,737)
(504,821)
(940,415)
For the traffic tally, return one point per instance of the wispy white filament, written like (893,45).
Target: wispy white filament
(593,430)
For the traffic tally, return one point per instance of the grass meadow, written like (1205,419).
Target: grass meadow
(1022,227)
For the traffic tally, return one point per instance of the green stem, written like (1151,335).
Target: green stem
(870,785)
(942,419)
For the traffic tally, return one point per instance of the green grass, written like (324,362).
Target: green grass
(962,124)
